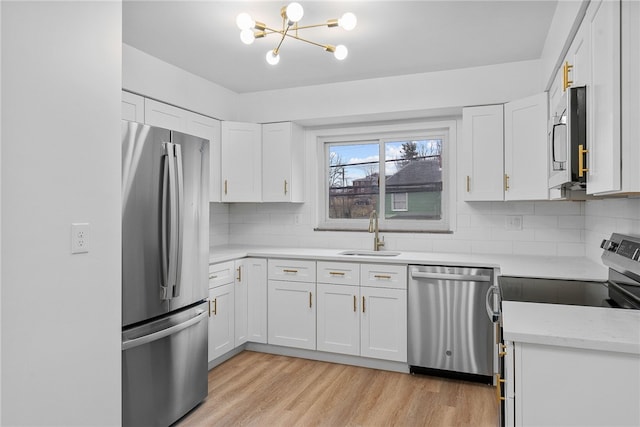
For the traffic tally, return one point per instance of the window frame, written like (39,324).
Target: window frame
(381,134)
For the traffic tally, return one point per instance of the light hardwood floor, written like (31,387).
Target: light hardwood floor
(257,389)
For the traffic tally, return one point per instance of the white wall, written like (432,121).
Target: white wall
(149,76)
(410,96)
(61,79)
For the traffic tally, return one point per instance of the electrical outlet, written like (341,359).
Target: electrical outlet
(79,238)
(513,222)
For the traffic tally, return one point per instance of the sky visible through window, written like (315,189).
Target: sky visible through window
(362,159)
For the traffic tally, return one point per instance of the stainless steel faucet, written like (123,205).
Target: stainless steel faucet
(374,228)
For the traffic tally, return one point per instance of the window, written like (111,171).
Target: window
(399,176)
(399,202)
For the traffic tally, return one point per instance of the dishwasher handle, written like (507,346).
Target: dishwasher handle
(450,276)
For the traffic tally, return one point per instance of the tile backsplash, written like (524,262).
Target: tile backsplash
(521,228)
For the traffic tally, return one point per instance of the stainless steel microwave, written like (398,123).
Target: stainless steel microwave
(568,141)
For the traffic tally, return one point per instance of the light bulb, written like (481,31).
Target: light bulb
(348,21)
(341,52)
(244,21)
(294,12)
(247,36)
(272,57)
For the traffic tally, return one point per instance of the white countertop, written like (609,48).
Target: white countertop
(595,328)
(568,268)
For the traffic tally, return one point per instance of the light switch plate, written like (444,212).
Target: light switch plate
(79,238)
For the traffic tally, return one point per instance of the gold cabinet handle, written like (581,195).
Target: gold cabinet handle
(499,381)
(213,276)
(581,160)
(382,276)
(225,186)
(355,302)
(468,184)
(566,83)
(215,306)
(336,273)
(363,305)
(209,308)
(506,182)
(240,274)
(310,299)
(289,271)
(285,187)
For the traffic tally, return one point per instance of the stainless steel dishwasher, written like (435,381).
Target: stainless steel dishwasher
(449,333)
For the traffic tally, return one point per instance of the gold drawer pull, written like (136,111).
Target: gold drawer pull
(239,274)
(336,273)
(286,190)
(215,306)
(310,300)
(468,184)
(499,381)
(213,276)
(225,187)
(506,182)
(382,276)
(289,271)
(566,83)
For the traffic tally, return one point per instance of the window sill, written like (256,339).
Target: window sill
(384,230)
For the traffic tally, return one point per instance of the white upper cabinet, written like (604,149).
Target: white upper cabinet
(282,162)
(630,96)
(504,151)
(481,155)
(241,162)
(208,128)
(525,149)
(603,98)
(165,116)
(132,107)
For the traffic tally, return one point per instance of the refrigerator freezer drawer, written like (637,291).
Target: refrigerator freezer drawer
(164,368)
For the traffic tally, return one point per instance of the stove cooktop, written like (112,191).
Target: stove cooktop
(551,291)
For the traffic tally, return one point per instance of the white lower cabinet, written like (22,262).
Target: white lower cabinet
(383,327)
(339,318)
(554,386)
(366,317)
(292,314)
(221,320)
(255,270)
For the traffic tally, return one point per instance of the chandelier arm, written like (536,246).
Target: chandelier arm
(284,34)
(304,27)
(306,41)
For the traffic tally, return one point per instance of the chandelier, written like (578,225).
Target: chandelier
(291,15)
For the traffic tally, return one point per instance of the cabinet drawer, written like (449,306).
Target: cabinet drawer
(221,274)
(341,273)
(384,276)
(292,270)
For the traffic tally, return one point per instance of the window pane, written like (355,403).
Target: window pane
(353,180)
(399,201)
(414,168)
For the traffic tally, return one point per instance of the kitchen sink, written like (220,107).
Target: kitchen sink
(370,253)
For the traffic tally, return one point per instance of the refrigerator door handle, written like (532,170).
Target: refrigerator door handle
(179,221)
(169,223)
(136,342)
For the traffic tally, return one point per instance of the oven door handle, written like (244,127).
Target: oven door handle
(493,314)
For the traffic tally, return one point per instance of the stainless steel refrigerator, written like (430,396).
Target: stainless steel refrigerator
(165,243)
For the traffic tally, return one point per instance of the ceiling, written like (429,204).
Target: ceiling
(391,38)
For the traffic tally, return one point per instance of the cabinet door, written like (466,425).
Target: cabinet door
(282,162)
(481,154)
(132,107)
(579,57)
(383,327)
(241,162)
(338,318)
(255,270)
(241,302)
(525,149)
(603,159)
(165,116)
(208,128)
(292,314)
(221,320)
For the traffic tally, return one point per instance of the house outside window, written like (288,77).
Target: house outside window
(400,176)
